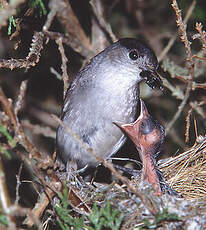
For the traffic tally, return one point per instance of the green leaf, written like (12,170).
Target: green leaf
(3,220)
(4,131)
(11,22)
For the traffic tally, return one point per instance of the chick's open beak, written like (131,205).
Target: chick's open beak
(143,110)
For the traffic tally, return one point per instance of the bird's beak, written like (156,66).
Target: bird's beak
(143,110)
(152,78)
(128,129)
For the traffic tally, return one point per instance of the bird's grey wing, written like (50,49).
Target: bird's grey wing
(91,126)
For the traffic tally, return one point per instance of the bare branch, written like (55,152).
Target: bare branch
(5,201)
(65,76)
(183,36)
(179,111)
(187,130)
(173,38)
(78,39)
(23,140)
(20,99)
(37,129)
(18,183)
(97,7)
(201,35)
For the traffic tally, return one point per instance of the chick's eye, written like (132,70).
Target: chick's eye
(133,55)
(147,126)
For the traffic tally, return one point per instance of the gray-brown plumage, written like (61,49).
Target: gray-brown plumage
(106,90)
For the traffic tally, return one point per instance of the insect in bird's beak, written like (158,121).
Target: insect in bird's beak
(152,78)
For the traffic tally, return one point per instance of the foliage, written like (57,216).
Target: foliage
(11,23)
(3,220)
(39,4)
(65,219)
(99,218)
(9,138)
(160,217)
(105,217)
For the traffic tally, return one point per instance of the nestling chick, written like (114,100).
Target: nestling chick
(148,136)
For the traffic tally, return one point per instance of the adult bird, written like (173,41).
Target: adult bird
(106,90)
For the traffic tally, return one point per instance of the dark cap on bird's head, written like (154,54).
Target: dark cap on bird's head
(138,50)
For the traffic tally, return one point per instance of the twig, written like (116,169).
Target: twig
(201,35)
(50,17)
(98,35)
(78,39)
(197,107)
(187,136)
(183,34)
(173,38)
(72,42)
(167,48)
(32,58)
(36,47)
(17,128)
(37,129)
(65,76)
(20,99)
(5,201)
(179,111)
(18,183)
(97,7)
(183,37)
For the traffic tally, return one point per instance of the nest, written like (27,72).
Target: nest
(186,173)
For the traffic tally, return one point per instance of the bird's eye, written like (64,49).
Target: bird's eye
(133,55)
(147,126)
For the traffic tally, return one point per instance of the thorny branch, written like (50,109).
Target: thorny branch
(32,58)
(183,36)
(173,38)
